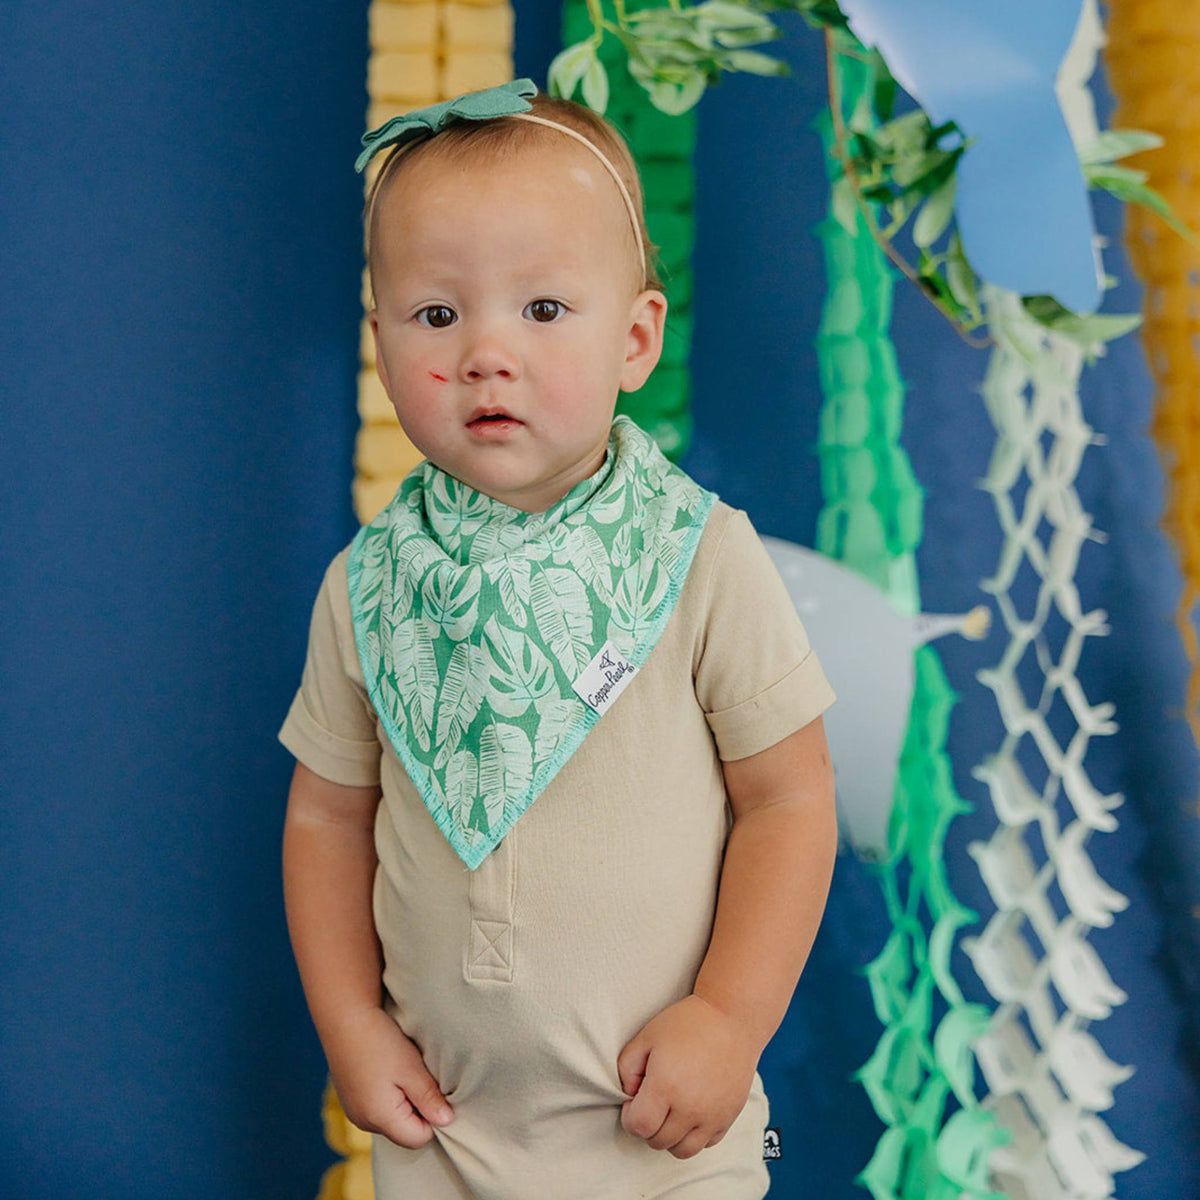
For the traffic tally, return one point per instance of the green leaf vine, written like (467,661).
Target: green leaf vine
(897,169)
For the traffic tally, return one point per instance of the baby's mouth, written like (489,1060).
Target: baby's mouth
(485,418)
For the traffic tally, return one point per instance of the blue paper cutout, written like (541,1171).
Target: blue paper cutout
(1021,199)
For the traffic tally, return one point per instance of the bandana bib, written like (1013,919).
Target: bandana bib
(492,639)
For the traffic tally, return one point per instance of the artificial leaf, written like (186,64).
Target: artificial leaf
(1088,331)
(595,86)
(935,215)
(1112,144)
(568,68)
(754,63)
(1129,186)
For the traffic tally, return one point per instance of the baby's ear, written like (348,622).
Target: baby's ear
(647,317)
(380,365)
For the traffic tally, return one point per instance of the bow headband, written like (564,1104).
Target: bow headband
(507,100)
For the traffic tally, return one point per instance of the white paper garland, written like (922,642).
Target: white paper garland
(1047,1077)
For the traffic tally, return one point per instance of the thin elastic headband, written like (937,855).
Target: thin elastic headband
(629,205)
(506,100)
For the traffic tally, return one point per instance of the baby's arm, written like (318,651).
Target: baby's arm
(328,872)
(690,1069)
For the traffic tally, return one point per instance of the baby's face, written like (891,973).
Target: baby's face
(507,318)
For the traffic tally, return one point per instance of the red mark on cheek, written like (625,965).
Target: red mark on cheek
(439,378)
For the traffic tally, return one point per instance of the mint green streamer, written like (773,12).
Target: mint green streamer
(662,147)
(920,1078)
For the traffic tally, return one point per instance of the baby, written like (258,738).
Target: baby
(562,828)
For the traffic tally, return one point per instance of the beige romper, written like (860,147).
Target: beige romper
(522,980)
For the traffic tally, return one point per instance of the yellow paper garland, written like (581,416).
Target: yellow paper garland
(421,52)
(1153,57)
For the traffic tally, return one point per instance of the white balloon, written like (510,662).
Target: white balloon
(866,648)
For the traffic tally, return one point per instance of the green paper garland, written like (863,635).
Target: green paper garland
(872,521)
(662,147)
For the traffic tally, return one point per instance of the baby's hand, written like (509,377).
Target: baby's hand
(689,1072)
(383,1083)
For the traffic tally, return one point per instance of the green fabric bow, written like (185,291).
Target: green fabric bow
(500,101)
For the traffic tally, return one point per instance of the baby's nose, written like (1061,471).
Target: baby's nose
(488,357)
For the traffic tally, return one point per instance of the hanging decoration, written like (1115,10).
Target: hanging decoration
(1019,198)
(902,165)
(868,647)
(872,521)
(1047,1076)
(1153,56)
(421,52)
(662,146)
(892,168)
(1069,1139)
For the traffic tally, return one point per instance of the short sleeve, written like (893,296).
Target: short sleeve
(757,678)
(330,726)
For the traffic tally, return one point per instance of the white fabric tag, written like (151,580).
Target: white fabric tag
(604,678)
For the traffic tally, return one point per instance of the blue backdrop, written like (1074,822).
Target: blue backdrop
(178,347)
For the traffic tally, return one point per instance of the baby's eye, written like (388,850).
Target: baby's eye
(544,310)
(437,316)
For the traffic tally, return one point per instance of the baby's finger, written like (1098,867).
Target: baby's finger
(422,1090)
(672,1131)
(404,1125)
(631,1065)
(692,1144)
(716,1137)
(643,1116)
(431,1105)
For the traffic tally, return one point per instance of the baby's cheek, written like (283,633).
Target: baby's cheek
(583,389)
(422,386)
(420,402)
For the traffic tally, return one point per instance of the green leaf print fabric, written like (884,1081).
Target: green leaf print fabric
(474,621)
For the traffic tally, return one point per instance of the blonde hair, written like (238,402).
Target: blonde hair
(499,138)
